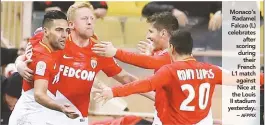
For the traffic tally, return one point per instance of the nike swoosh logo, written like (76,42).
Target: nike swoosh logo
(67,57)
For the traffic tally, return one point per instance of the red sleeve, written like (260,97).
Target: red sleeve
(143,61)
(111,68)
(218,71)
(42,69)
(36,38)
(161,78)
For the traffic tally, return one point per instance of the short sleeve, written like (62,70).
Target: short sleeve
(42,69)
(110,67)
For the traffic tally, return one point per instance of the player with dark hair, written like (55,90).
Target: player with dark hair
(160,30)
(79,65)
(161,27)
(189,85)
(37,101)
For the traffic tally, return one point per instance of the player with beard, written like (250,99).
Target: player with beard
(78,64)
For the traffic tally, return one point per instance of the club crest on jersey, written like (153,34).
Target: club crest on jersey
(94,62)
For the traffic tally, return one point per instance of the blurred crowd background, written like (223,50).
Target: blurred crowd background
(123,24)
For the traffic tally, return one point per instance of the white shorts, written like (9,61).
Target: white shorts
(38,118)
(28,112)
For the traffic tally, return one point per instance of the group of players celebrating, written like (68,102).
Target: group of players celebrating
(62,60)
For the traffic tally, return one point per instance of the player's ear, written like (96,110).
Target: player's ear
(45,30)
(71,25)
(163,32)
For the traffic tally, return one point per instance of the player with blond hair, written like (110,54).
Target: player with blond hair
(79,65)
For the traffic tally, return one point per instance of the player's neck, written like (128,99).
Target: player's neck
(79,41)
(46,42)
(165,45)
(176,58)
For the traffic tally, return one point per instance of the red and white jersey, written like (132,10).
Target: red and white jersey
(156,61)
(188,85)
(45,66)
(78,68)
(191,97)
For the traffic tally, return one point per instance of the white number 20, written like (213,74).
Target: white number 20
(202,104)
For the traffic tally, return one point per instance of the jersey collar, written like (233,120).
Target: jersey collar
(190,58)
(46,46)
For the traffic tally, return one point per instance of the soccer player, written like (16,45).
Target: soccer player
(159,33)
(161,27)
(79,65)
(189,85)
(38,98)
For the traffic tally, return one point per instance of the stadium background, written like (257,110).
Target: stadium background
(123,26)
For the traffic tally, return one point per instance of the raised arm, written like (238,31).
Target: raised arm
(125,78)
(161,78)
(148,62)
(112,69)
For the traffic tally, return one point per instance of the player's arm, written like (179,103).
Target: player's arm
(143,61)
(98,84)
(41,81)
(139,60)
(40,95)
(122,76)
(21,64)
(160,79)
(125,77)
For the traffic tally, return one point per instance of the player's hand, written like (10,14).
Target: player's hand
(25,72)
(69,111)
(215,22)
(104,49)
(145,47)
(98,84)
(103,94)
(181,16)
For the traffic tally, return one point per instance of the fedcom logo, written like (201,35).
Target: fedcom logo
(79,74)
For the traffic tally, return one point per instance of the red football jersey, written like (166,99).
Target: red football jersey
(159,59)
(189,86)
(44,65)
(163,95)
(78,67)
